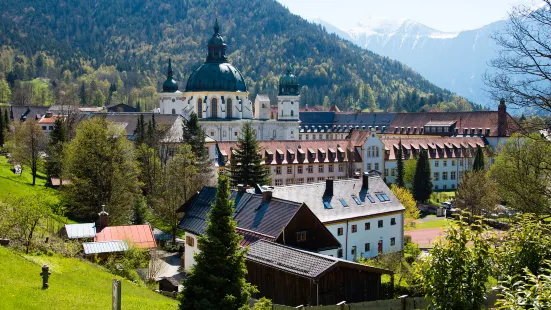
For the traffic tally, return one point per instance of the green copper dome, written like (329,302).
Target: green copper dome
(288,84)
(170,85)
(216,74)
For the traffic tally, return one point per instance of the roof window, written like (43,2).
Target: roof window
(344,204)
(327,205)
(357,200)
(370,198)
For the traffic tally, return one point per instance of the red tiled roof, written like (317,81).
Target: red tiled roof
(316,147)
(141,236)
(391,144)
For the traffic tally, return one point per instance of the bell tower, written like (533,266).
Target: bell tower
(288,99)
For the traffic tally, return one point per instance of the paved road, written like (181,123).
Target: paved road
(424,237)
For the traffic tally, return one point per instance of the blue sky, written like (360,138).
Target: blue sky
(444,15)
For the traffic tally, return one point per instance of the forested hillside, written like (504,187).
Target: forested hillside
(101,52)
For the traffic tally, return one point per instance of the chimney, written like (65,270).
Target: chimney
(328,187)
(240,188)
(365,181)
(103,218)
(267,194)
(502,119)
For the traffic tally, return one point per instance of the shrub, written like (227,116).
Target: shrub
(263,304)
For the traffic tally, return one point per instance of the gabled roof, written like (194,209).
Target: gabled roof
(453,145)
(253,215)
(313,195)
(77,231)
(301,263)
(140,236)
(105,247)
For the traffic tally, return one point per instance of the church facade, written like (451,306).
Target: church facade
(217,93)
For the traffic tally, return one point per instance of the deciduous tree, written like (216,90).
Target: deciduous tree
(217,281)
(522,171)
(100,163)
(407,200)
(476,193)
(28,144)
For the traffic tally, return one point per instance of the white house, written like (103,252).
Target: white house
(362,214)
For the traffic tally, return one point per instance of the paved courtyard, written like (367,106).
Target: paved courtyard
(424,237)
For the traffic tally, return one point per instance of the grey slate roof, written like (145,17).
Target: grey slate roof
(251,213)
(77,231)
(105,247)
(313,196)
(302,263)
(28,111)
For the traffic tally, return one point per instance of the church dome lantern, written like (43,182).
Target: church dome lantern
(288,84)
(170,85)
(216,74)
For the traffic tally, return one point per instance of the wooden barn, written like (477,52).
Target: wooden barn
(292,277)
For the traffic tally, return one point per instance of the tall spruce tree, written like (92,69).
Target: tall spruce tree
(246,167)
(6,119)
(58,137)
(478,164)
(422,183)
(82,94)
(400,166)
(2,127)
(139,131)
(194,135)
(217,281)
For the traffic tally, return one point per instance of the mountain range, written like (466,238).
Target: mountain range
(82,40)
(452,60)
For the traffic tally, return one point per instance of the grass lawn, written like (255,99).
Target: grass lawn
(74,284)
(21,185)
(428,221)
(437,197)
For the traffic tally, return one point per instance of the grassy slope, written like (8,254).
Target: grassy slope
(11,184)
(74,284)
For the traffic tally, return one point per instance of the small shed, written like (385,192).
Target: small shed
(104,247)
(80,231)
(168,284)
(292,277)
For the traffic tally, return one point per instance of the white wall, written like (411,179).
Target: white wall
(372,236)
(373,161)
(189,259)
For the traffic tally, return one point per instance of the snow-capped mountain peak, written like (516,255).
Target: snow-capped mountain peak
(386,28)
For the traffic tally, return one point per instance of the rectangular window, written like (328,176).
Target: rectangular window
(445,187)
(344,204)
(357,200)
(44,127)
(290,170)
(327,205)
(377,166)
(354,228)
(380,223)
(386,172)
(367,247)
(393,221)
(310,169)
(341,167)
(320,168)
(278,182)
(340,231)
(339,253)
(392,241)
(330,168)
(444,175)
(367,226)
(445,162)
(393,172)
(436,176)
(453,162)
(301,236)
(353,251)
(461,162)
(300,181)
(321,179)
(190,241)
(371,199)
(299,169)
(278,170)
(369,167)
(310,180)
(452,175)
(436,163)
(289,182)
(436,187)
(380,196)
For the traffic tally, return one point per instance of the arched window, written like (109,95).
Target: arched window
(229,109)
(214,108)
(292,113)
(200,108)
(173,111)
(373,151)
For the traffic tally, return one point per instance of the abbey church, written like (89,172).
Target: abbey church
(217,93)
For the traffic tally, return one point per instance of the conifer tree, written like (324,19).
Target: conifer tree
(194,135)
(400,166)
(217,281)
(246,167)
(422,184)
(6,119)
(139,132)
(58,137)
(1,130)
(478,164)
(82,94)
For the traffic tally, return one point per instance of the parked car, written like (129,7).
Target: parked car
(447,205)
